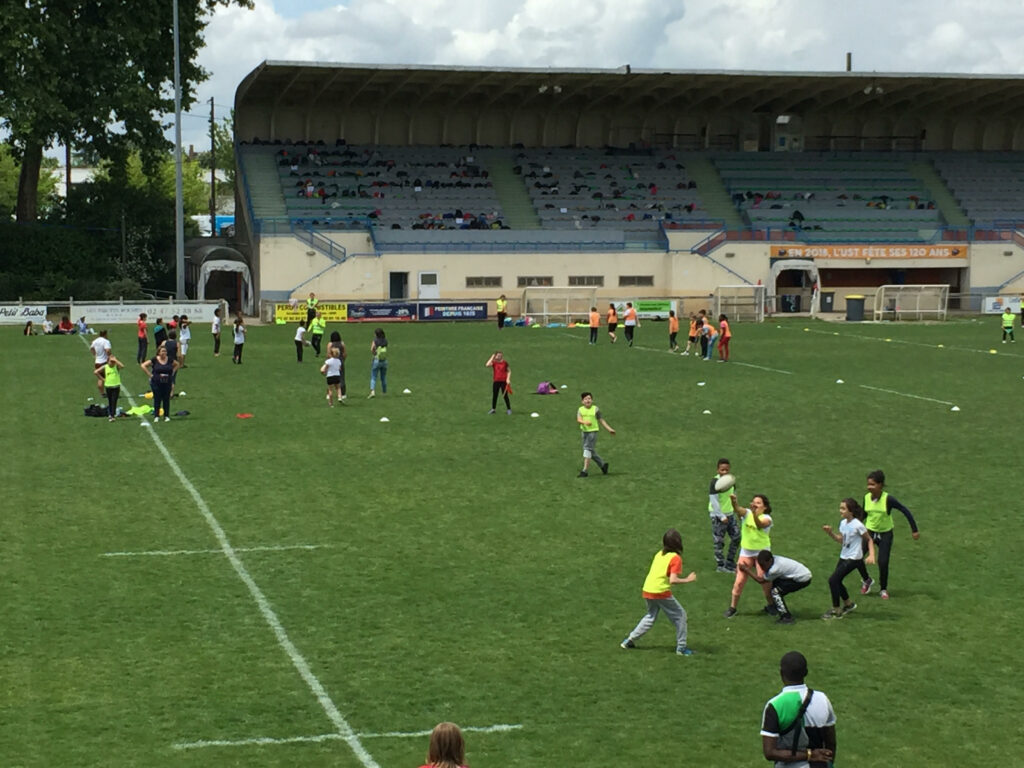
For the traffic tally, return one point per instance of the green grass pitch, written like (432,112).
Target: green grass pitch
(449,565)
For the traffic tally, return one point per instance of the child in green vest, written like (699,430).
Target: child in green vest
(1007,323)
(588,417)
(665,571)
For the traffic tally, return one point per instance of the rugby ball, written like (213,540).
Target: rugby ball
(725,483)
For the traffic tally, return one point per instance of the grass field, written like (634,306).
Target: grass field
(374,579)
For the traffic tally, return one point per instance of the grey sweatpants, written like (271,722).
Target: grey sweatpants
(673,610)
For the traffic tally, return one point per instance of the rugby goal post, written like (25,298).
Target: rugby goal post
(911,302)
(744,303)
(546,305)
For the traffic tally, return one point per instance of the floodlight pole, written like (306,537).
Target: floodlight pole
(179,203)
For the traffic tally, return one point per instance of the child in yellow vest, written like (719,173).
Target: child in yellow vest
(665,571)
(755,527)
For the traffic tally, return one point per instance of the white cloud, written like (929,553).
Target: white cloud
(762,35)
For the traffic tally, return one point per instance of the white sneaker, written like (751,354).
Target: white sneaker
(167,418)
(370,395)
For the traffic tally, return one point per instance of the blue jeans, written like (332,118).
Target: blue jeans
(711,346)
(381,367)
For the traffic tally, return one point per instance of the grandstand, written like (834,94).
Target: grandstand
(643,184)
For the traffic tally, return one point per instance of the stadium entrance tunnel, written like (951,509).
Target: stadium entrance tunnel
(783,265)
(223,273)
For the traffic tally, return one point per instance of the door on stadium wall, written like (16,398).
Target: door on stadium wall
(429,286)
(398,286)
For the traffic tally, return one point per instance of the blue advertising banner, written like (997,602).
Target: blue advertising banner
(380,312)
(446,311)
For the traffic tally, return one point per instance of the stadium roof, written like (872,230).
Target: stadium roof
(308,84)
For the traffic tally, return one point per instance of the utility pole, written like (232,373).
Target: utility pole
(213,173)
(179,203)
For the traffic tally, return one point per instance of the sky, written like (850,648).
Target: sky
(942,36)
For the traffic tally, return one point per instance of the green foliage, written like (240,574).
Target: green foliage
(96,74)
(465,573)
(46,194)
(39,261)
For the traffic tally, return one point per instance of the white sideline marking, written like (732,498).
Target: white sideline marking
(904,394)
(266,740)
(169,552)
(670,352)
(762,367)
(344,730)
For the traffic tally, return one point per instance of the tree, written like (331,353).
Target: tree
(10,170)
(223,157)
(96,73)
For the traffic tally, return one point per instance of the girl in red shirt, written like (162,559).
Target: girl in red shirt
(502,381)
(723,339)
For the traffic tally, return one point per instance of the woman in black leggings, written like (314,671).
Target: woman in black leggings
(160,370)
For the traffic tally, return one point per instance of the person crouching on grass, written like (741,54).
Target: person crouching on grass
(588,417)
(755,527)
(665,571)
(785,577)
(502,381)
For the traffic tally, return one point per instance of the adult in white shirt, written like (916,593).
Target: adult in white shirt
(100,349)
(798,727)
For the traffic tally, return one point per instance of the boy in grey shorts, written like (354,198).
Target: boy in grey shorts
(589,418)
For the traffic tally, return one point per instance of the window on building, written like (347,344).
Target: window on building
(483,282)
(595,280)
(534,281)
(628,280)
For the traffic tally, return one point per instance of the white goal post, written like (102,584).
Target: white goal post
(911,302)
(545,305)
(744,303)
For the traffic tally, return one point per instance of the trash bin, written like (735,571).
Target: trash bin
(828,301)
(790,302)
(854,308)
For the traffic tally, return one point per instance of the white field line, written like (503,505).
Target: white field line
(861,337)
(343,729)
(905,394)
(170,552)
(670,352)
(265,740)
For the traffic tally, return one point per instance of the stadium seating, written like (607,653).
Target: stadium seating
(828,195)
(989,186)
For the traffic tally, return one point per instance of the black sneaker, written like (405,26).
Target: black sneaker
(627,644)
(730,613)
(787,619)
(771,610)
(582,474)
(604,468)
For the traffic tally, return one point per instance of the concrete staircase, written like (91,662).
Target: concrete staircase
(717,201)
(938,191)
(264,182)
(515,201)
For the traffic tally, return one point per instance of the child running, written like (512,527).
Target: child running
(724,335)
(501,383)
(854,537)
(588,417)
(613,322)
(878,505)
(332,370)
(673,331)
(665,571)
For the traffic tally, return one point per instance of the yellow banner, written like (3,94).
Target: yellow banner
(332,312)
(873,251)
